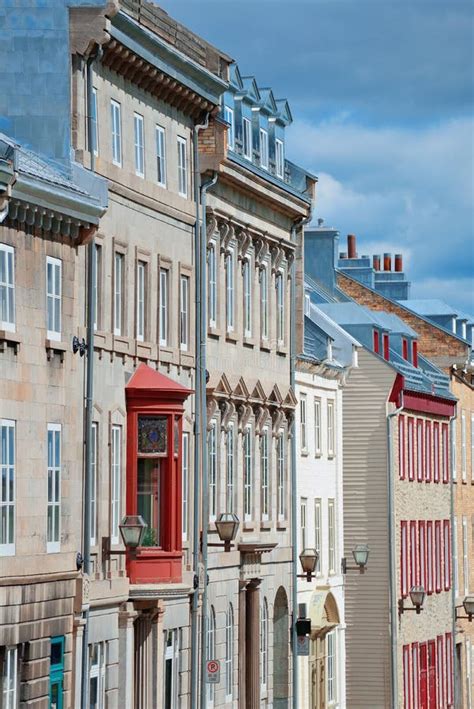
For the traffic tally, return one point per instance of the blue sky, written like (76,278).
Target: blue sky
(382,99)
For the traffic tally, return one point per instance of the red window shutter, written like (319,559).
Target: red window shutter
(428,456)
(423,676)
(420,475)
(436,461)
(415,353)
(449,669)
(406,678)
(401,447)
(411,449)
(438,555)
(445,453)
(376,341)
(413,555)
(429,557)
(441,672)
(386,346)
(432,674)
(447,554)
(404,349)
(403,559)
(422,553)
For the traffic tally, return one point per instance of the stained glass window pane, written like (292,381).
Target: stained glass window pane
(152,434)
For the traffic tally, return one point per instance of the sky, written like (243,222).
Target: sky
(382,95)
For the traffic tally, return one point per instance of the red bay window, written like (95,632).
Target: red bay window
(154,433)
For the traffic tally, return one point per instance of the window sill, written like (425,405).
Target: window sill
(249,342)
(9,339)
(282,524)
(213,331)
(55,347)
(231,336)
(318,454)
(304,453)
(282,350)
(248,526)
(265,345)
(121,344)
(266,525)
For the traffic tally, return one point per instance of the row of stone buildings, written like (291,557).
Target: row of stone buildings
(175,345)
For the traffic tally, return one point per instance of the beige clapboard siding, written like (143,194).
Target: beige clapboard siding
(366,521)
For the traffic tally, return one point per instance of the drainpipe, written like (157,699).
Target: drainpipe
(393,568)
(91,269)
(197,422)
(453,541)
(294,528)
(205,480)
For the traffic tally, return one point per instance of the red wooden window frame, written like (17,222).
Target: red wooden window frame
(445,436)
(415,675)
(376,342)
(411,448)
(432,674)
(422,553)
(420,468)
(386,346)
(406,678)
(449,669)
(401,447)
(413,555)
(436,457)
(405,348)
(441,671)
(438,556)
(423,659)
(447,553)
(428,453)
(414,348)
(429,557)
(404,558)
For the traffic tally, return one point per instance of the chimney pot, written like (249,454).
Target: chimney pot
(387,262)
(376,262)
(343,254)
(398,262)
(351,246)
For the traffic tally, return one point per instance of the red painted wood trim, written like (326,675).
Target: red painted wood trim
(427,404)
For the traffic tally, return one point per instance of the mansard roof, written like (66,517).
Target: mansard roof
(250,88)
(246,88)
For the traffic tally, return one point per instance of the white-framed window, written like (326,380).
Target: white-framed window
(139,145)
(54,487)
(53,297)
(97,286)
(463,446)
(229,118)
(331,429)
(415,675)
(303,510)
(331,537)
(229,653)
(264,621)
(212,284)
(248,473)
(182,167)
(171,669)
(247,288)
(436,443)
(465,556)
(118,292)
(10,679)
(429,557)
(184,313)
(318,533)
(455,557)
(94,482)
(141,300)
(279,158)
(116,122)
(212,469)
(263,149)
(229,287)
(264,303)
(116,482)
(97,665)
(303,417)
(7,489)
(95,123)
(164,298)
(317,427)
(280,297)
(160,156)
(247,138)
(453,447)
(185,485)
(331,684)
(281,476)
(210,651)
(230,468)
(264,476)
(7,288)
(404,556)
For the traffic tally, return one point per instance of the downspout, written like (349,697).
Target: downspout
(454,541)
(205,481)
(197,422)
(294,528)
(91,270)
(393,568)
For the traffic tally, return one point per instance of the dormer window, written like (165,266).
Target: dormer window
(329,351)
(229,118)
(405,348)
(279,158)
(415,353)
(247,138)
(263,149)
(376,341)
(307,304)
(386,346)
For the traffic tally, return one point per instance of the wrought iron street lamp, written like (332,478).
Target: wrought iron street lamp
(417,597)
(132,530)
(308,559)
(227,525)
(468,605)
(361,557)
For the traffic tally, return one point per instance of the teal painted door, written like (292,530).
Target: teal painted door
(56,673)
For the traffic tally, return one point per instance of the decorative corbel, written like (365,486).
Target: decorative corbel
(227,408)
(261,251)
(290,257)
(277,255)
(244,241)
(244,411)
(261,418)
(211,409)
(211,226)
(291,419)
(278,418)
(226,231)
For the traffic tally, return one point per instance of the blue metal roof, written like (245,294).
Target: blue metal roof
(429,307)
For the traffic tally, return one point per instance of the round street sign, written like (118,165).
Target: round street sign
(213,671)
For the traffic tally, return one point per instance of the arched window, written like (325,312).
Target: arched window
(229,653)
(211,649)
(264,646)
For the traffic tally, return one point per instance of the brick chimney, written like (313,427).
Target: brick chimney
(351,246)
(387,262)
(376,262)
(398,262)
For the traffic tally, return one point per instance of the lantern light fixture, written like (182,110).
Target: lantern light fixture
(417,597)
(308,559)
(361,557)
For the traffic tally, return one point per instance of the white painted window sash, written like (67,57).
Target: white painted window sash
(7,491)
(139,145)
(7,288)
(116,133)
(54,488)
(182,167)
(53,297)
(116,475)
(160,156)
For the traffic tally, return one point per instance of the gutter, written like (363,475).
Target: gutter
(393,568)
